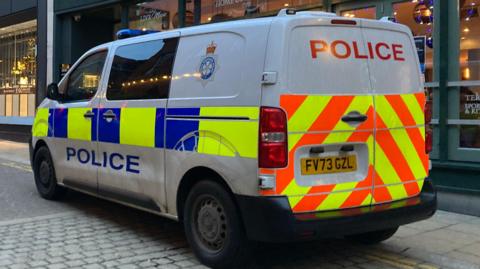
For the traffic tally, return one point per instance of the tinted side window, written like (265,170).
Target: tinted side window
(84,80)
(142,71)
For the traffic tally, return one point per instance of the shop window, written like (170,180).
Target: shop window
(222,10)
(157,15)
(163,15)
(469,71)
(470,110)
(418,16)
(142,71)
(469,40)
(364,13)
(18,69)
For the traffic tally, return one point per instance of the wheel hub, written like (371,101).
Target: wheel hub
(211,224)
(209,221)
(44,173)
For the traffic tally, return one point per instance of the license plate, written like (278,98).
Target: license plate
(329,165)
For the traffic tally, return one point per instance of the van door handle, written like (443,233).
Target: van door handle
(109,115)
(89,114)
(354,116)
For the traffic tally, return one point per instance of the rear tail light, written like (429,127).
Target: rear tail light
(428,112)
(272,144)
(428,127)
(428,139)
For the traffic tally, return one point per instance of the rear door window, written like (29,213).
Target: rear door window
(395,68)
(351,60)
(142,70)
(328,59)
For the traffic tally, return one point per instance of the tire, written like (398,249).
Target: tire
(374,237)
(213,227)
(44,174)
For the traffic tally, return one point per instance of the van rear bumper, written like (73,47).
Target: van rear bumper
(270,219)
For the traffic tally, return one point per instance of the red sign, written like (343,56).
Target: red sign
(342,49)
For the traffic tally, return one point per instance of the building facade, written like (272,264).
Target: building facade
(450,30)
(18,65)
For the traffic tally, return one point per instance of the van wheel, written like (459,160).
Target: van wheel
(44,174)
(374,237)
(213,227)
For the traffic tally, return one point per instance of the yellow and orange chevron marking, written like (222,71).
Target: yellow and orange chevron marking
(393,133)
(400,158)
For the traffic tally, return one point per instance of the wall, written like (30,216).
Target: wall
(13,6)
(16,11)
(64,6)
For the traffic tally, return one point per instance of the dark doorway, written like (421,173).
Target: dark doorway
(78,32)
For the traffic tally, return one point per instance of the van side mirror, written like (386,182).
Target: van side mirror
(52,91)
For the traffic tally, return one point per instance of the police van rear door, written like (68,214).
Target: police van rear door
(324,88)
(401,163)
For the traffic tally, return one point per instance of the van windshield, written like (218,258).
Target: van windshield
(351,60)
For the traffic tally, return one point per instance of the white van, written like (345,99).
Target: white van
(294,127)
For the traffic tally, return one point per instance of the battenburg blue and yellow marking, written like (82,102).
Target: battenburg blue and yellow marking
(179,128)
(109,130)
(60,119)
(223,131)
(42,122)
(79,127)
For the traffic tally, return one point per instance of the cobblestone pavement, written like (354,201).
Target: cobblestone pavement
(111,235)
(85,232)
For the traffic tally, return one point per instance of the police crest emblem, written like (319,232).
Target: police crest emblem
(208,64)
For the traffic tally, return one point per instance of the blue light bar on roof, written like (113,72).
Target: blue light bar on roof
(126,33)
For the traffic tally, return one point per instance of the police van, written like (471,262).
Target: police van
(294,127)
